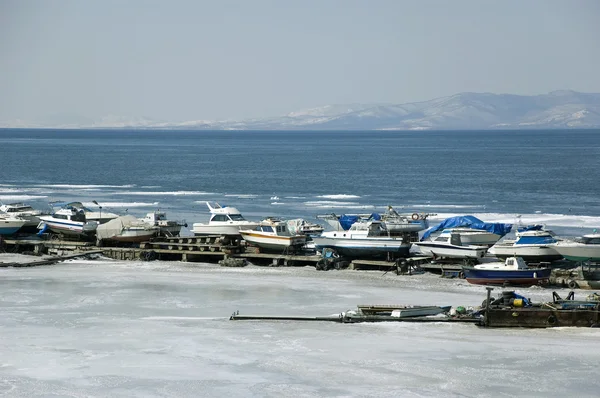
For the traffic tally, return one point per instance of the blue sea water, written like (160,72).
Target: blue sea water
(538,174)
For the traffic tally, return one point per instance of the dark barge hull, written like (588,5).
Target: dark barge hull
(542,317)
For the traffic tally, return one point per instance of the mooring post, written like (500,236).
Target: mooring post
(486,319)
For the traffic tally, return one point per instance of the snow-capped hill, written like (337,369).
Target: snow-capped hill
(558,109)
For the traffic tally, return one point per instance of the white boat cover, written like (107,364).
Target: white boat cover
(116,226)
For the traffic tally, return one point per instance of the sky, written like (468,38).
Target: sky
(191,60)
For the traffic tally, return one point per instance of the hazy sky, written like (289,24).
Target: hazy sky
(188,60)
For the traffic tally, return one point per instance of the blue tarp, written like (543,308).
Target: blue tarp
(346,221)
(471,222)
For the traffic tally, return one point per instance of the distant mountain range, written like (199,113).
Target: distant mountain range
(558,109)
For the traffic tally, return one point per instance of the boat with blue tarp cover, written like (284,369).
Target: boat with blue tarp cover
(472,230)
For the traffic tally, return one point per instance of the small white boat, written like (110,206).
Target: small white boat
(472,236)
(10,224)
(90,215)
(224,220)
(273,234)
(164,227)
(449,245)
(364,239)
(533,244)
(586,248)
(125,229)
(68,221)
(23,212)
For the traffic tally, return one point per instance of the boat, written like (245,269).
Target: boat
(364,239)
(472,230)
(10,224)
(24,212)
(164,227)
(533,244)
(449,245)
(401,311)
(586,248)
(513,271)
(513,310)
(395,222)
(224,220)
(125,229)
(68,221)
(301,226)
(272,234)
(90,215)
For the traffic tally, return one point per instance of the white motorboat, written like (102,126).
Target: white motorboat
(395,223)
(586,248)
(533,244)
(125,229)
(23,212)
(364,239)
(224,220)
(68,221)
(449,245)
(273,234)
(164,226)
(90,214)
(472,236)
(10,224)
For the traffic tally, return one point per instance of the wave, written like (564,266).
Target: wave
(122,204)
(417,206)
(319,203)
(277,203)
(241,196)
(169,193)
(295,197)
(21,198)
(339,196)
(78,186)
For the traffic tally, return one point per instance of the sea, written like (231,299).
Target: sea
(105,328)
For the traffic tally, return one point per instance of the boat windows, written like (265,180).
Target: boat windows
(220,217)
(79,216)
(441,239)
(60,216)
(280,228)
(267,228)
(591,241)
(237,217)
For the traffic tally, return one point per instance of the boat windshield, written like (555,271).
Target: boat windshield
(267,228)
(237,217)
(591,241)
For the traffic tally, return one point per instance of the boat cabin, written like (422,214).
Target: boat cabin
(449,237)
(17,208)
(273,226)
(70,214)
(591,239)
(510,264)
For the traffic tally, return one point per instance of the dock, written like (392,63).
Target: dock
(48,261)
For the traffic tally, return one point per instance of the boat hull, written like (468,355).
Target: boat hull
(579,252)
(200,229)
(9,227)
(363,248)
(273,243)
(69,228)
(529,253)
(132,236)
(526,277)
(434,249)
